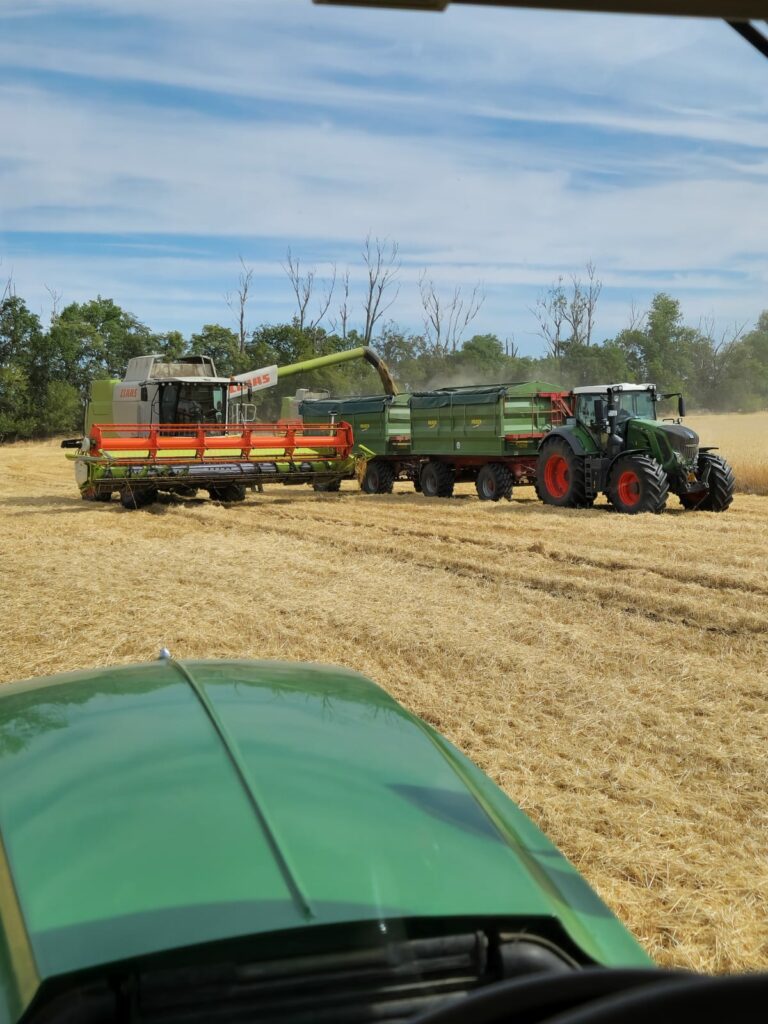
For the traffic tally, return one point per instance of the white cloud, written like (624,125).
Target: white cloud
(490,176)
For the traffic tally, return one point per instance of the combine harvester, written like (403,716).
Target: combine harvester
(179,427)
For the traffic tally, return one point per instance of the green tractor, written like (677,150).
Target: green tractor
(614,444)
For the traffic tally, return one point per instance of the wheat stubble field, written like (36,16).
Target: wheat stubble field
(608,672)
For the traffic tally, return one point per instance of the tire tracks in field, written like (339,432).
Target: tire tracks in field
(705,579)
(683,608)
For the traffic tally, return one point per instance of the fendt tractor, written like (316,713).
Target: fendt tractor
(614,444)
(178,426)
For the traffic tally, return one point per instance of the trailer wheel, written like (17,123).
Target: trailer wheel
(721,484)
(494,481)
(379,478)
(227,492)
(437,480)
(326,486)
(638,484)
(132,499)
(560,476)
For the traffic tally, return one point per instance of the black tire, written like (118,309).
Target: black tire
(720,481)
(437,480)
(379,478)
(638,484)
(494,481)
(417,482)
(560,476)
(327,486)
(133,499)
(227,492)
(91,495)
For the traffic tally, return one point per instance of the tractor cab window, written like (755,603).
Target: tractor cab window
(637,404)
(192,403)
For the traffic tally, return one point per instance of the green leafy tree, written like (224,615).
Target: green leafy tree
(222,345)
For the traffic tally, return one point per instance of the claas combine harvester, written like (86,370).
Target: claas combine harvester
(178,426)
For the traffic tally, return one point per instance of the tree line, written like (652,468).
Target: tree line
(45,370)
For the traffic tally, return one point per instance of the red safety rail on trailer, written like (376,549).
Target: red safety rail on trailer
(209,440)
(561,410)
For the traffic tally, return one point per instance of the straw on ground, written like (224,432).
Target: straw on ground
(609,672)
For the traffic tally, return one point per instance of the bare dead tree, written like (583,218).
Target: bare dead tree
(511,348)
(568,317)
(238,300)
(344,306)
(55,300)
(637,317)
(303,285)
(446,320)
(580,308)
(324,302)
(382,261)
(9,288)
(550,312)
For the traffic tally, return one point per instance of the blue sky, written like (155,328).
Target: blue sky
(146,146)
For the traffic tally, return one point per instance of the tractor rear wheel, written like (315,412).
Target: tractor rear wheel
(494,481)
(379,478)
(327,486)
(721,484)
(227,492)
(560,476)
(638,484)
(437,480)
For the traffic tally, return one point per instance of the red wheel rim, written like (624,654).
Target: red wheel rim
(628,488)
(557,479)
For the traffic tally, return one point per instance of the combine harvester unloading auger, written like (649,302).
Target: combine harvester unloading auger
(177,426)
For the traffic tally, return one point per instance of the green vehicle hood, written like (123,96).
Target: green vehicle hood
(152,807)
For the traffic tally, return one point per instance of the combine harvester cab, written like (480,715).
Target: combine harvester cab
(615,444)
(167,427)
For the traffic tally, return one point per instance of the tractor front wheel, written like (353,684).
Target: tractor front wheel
(560,476)
(437,480)
(379,478)
(638,484)
(494,481)
(720,483)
